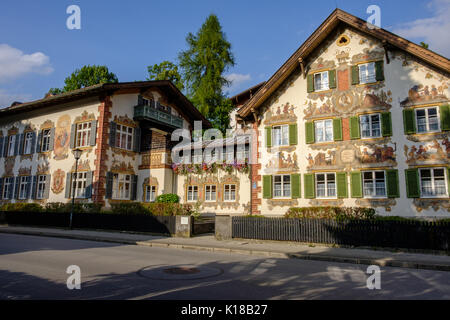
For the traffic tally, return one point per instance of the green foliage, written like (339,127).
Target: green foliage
(54,91)
(220,116)
(24,207)
(337,213)
(85,77)
(168,209)
(203,65)
(166,70)
(424,45)
(168,198)
(60,207)
(129,208)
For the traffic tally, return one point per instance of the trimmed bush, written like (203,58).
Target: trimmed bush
(25,207)
(337,213)
(129,208)
(60,207)
(168,198)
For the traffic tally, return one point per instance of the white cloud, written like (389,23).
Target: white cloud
(7,98)
(434,30)
(237,80)
(14,63)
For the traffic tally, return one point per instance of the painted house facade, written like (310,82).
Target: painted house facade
(355,117)
(124,132)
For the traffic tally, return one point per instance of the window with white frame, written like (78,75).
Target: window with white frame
(370,125)
(121,186)
(192,193)
(197,157)
(210,193)
(150,193)
(282,186)
(7,187)
(374,184)
(427,120)
(243,152)
(433,182)
(41,183)
(28,140)
(83,134)
(228,155)
(23,182)
(321,81)
(323,130)
(11,145)
(280,136)
(79,184)
(124,137)
(229,193)
(45,143)
(367,73)
(326,185)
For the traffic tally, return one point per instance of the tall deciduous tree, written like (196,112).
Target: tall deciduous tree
(166,70)
(85,77)
(203,66)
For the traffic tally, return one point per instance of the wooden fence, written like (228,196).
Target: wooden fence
(376,233)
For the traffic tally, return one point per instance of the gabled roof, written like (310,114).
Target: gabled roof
(246,94)
(339,16)
(106,89)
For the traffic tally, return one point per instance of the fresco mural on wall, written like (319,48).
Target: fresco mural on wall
(282,161)
(62,138)
(435,204)
(420,94)
(378,154)
(25,171)
(428,153)
(58,181)
(122,167)
(281,114)
(9,166)
(83,165)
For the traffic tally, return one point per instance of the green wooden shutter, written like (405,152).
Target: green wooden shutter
(309,132)
(341,178)
(356,184)
(379,72)
(448,178)
(268,137)
(109,185)
(310,190)
(354,128)
(68,186)
(392,184)
(337,129)
(412,183)
(310,83)
(409,121)
(355,74)
(296,188)
(386,124)
(445,117)
(293,134)
(267,187)
(332,79)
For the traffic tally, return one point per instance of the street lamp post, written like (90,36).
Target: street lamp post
(77,155)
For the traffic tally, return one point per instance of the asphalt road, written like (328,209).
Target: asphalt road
(35,268)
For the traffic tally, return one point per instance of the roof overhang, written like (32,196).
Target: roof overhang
(325,29)
(109,89)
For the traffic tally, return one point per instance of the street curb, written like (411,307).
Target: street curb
(272,254)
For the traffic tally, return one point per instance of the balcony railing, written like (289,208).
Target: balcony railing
(150,113)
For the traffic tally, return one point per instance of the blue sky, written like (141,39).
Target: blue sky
(37,51)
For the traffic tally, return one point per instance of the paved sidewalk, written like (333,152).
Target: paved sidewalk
(285,250)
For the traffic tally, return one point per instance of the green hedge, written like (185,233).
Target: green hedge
(127,208)
(337,213)
(168,198)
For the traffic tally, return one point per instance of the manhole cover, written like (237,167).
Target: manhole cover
(181,270)
(185,272)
